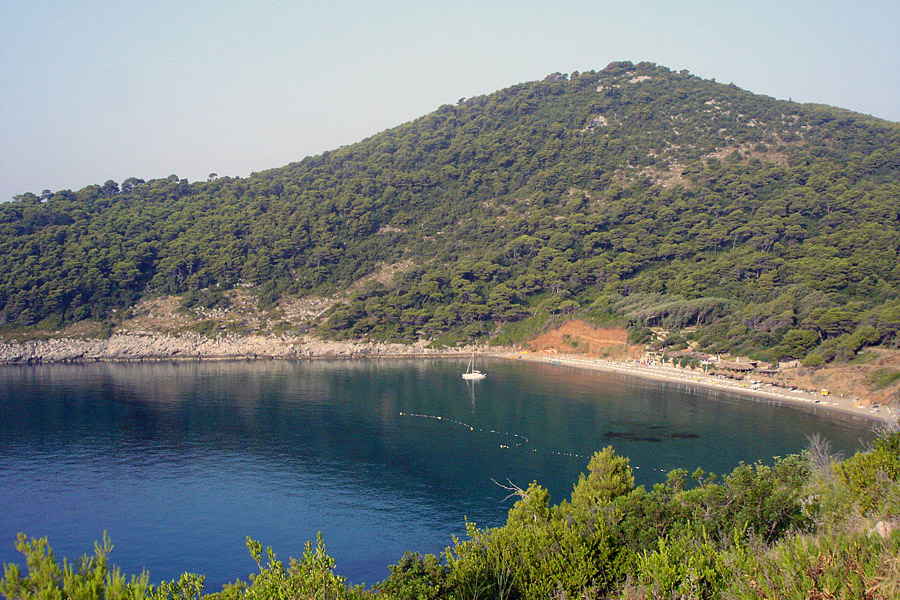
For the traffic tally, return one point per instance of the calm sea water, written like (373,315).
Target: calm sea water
(179,462)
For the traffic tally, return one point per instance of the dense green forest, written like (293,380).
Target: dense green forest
(633,194)
(810,526)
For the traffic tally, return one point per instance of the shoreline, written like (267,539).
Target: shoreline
(152,347)
(761,391)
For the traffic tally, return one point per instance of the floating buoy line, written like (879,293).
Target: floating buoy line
(518,440)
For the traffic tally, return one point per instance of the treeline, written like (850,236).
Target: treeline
(798,529)
(634,194)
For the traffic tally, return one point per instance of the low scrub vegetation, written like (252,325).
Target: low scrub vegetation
(806,526)
(882,378)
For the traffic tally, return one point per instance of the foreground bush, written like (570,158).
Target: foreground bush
(93,579)
(801,528)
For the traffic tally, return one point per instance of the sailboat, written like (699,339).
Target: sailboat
(471,373)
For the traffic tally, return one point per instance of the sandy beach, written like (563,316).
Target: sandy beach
(812,400)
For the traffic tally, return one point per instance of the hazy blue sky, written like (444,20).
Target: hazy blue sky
(97,90)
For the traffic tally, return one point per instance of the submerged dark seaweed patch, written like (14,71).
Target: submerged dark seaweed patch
(635,436)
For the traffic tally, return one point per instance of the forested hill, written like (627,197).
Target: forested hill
(633,193)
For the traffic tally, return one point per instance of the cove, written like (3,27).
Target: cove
(181,461)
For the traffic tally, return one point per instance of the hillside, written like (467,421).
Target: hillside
(634,195)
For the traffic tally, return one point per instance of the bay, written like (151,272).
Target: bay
(180,461)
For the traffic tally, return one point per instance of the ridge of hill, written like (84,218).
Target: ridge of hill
(633,195)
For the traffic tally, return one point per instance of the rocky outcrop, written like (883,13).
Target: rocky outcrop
(883,529)
(124,347)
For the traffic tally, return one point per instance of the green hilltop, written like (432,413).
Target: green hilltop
(632,195)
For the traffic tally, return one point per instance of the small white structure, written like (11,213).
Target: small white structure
(472,373)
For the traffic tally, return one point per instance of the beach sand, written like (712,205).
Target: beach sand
(833,403)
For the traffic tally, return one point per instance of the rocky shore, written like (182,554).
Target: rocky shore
(137,347)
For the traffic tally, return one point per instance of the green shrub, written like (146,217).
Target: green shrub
(519,332)
(93,579)
(208,328)
(685,567)
(882,378)
(417,577)
(838,565)
(312,576)
(873,478)
(813,359)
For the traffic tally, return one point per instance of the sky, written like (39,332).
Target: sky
(98,90)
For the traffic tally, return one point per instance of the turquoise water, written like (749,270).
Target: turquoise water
(179,462)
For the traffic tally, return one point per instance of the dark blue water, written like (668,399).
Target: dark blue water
(179,462)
